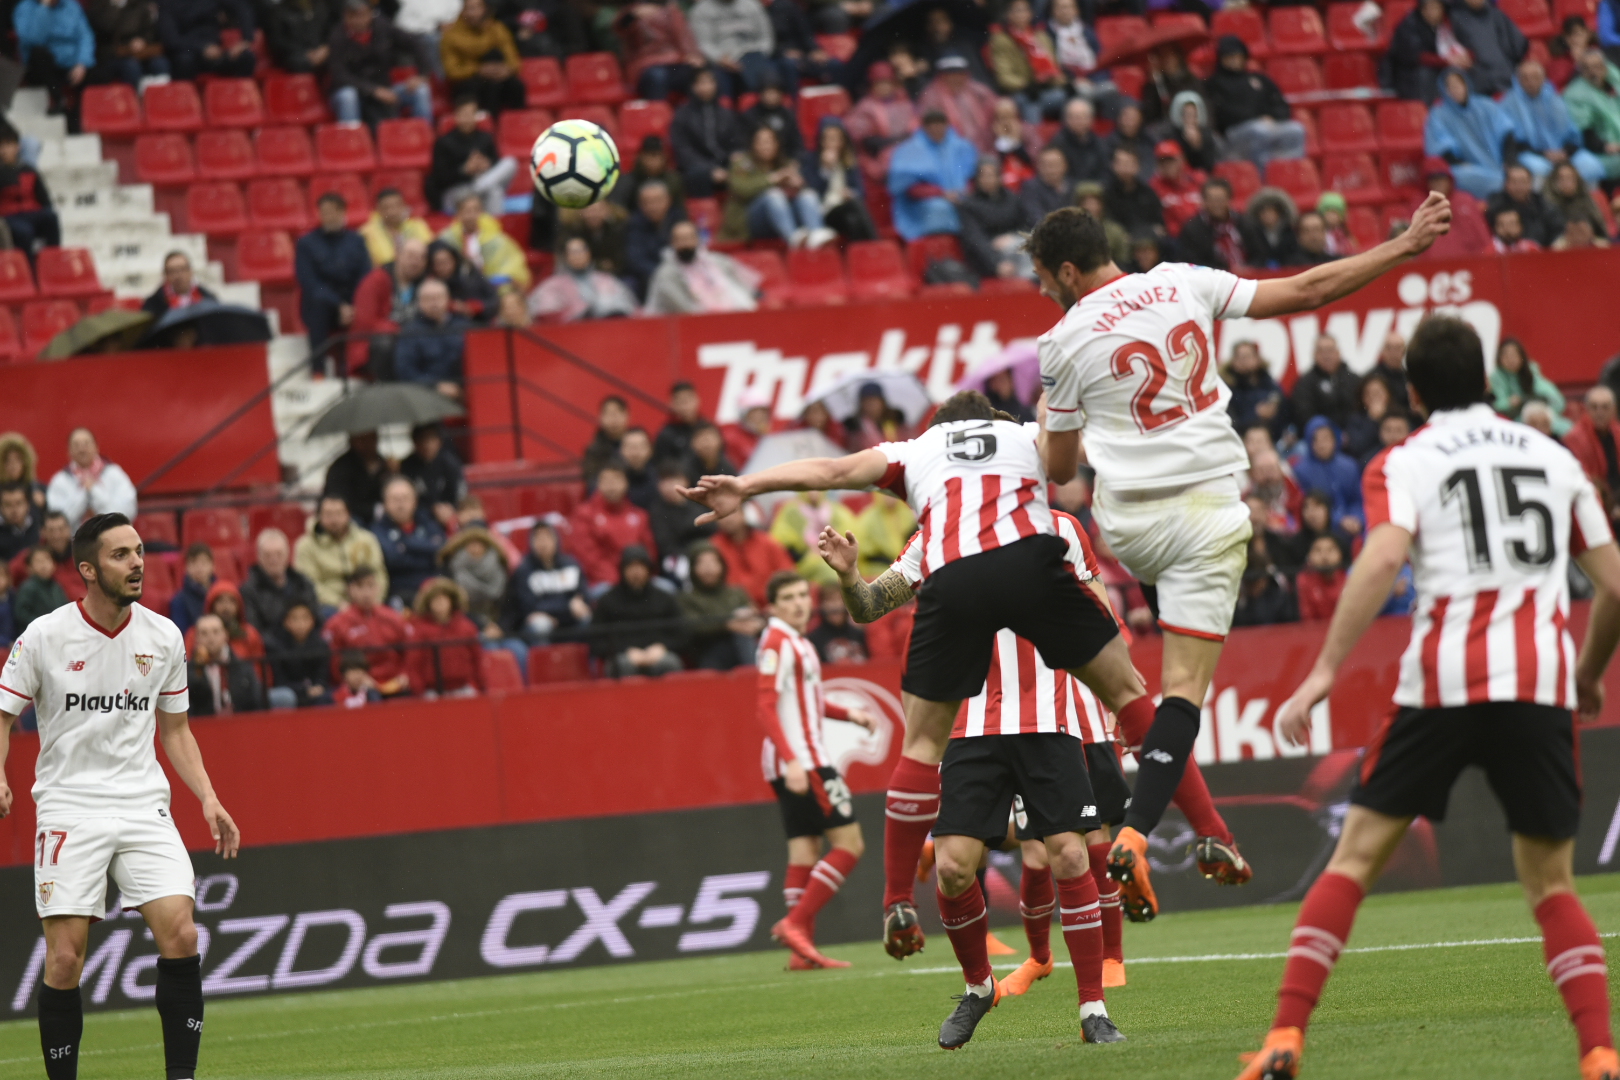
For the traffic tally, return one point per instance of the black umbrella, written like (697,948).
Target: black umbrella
(214,324)
(370,407)
(907,21)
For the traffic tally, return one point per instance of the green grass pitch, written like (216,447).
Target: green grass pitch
(1448,986)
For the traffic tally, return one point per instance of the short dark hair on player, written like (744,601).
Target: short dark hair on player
(965,405)
(779,581)
(87,541)
(1069,235)
(1446,363)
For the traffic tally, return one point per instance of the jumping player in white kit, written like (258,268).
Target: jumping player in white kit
(1132,364)
(1491,513)
(105,675)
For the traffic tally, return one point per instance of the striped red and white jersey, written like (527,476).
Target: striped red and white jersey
(1496,510)
(791,708)
(1023,696)
(1080,557)
(974,486)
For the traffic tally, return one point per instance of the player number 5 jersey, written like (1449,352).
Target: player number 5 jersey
(1133,364)
(1495,510)
(97,696)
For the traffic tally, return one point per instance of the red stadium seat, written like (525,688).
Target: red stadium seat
(112,109)
(68,273)
(559,663)
(1008,286)
(637,120)
(164,160)
(225,155)
(341,148)
(1129,79)
(1363,224)
(278,203)
(1297,31)
(174,106)
(10,347)
(600,115)
(543,81)
(16,278)
(704,213)
(1530,16)
(265,256)
(1563,9)
(877,270)
(294,99)
(1244,178)
(44,319)
(1298,177)
(816,102)
(517,130)
(1313,145)
(1400,125)
(1243,22)
(215,526)
(157,525)
(1120,30)
(216,209)
(919,253)
(1296,75)
(498,671)
(285,151)
(1180,20)
(1356,177)
(1348,129)
(595,79)
(289,517)
(348,185)
(409,184)
(1343,33)
(158,587)
(1402,174)
(227,566)
(817,276)
(233,103)
(1394,12)
(404,144)
(1350,71)
(774,286)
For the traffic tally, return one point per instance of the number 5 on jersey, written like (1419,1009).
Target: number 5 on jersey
(1190,353)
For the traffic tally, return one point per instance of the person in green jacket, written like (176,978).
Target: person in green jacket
(722,617)
(769,198)
(1517,380)
(1593,101)
(41,594)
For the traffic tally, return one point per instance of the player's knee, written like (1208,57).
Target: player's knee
(1068,855)
(63,963)
(181,940)
(954,874)
(855,845)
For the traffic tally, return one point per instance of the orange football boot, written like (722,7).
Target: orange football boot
(1278,1058)
(1128,865)
(996,947)
(1113,973)
(1600,1063)
(1028,974)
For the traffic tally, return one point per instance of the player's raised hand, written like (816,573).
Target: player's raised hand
(227,838)
(1293,720)
(839,549)
(1431,221)
(1588,699)
(723,495)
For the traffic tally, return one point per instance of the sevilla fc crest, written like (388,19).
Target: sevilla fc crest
(143,663)
(45,890)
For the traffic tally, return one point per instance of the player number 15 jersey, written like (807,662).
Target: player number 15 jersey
(1133,364)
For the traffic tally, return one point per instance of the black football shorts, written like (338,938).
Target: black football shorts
(827,805)
(980,776)
(1108,787)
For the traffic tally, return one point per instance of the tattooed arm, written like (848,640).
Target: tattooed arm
(867,602)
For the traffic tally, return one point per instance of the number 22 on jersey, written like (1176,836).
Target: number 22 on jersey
(1183,394)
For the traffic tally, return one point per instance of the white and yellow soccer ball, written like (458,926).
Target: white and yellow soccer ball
(574,163)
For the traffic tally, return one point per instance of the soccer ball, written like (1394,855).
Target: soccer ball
(574,163)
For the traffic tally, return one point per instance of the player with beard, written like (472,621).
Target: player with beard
(105,675)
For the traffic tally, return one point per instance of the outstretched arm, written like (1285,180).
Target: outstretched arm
(6,720)
(1333,280)
(866,602)
(723,495)
(1365,592)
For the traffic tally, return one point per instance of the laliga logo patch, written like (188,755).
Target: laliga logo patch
(45,890)
(143,663)
(16,655)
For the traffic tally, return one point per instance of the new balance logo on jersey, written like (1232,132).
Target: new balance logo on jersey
(1163,757)
(75,665)
(106,702)
(1088,811)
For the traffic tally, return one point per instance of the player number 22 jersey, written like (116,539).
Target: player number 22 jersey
(97,696)
(1133,364)
(1495,510)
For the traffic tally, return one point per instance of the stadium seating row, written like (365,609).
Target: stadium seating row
(64,274)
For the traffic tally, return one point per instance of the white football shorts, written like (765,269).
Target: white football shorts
(145,856)
(1192,543)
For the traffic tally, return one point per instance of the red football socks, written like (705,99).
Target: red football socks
(1035,903)
(912,807)
(1113,926)
(963,917)
(1192,796)
(1082,933)
(1319,935)
(793,884)
(826,878)
(1576,966)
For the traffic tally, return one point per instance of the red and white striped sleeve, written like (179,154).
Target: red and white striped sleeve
(1386,493)
(1080,552)
(768,707)
(893,479)
(1589,525)
(909,564)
